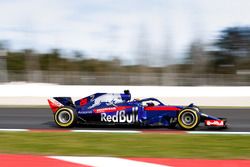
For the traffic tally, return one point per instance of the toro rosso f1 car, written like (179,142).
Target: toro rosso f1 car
(119,109)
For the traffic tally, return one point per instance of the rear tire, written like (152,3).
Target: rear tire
(65,117)
(188,119)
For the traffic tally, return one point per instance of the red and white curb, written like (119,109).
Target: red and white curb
(129,131)
(219,133)
(7,160)
(106,161)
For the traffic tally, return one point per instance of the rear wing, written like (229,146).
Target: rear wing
(57,102)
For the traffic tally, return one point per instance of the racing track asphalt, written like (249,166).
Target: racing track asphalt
(42,118)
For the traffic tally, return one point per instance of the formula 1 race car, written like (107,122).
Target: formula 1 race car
(118,109)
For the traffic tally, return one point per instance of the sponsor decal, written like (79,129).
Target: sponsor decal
(214,122)
(109,99)
(172,120)
(83,102)
(119,116)
(85,112)
(111,109)
(101,110)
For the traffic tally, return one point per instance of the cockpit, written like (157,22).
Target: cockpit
(150,102)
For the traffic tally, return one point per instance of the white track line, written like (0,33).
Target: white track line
(218,133)
(135,131)
(105,161)
(14,130)
(106,131)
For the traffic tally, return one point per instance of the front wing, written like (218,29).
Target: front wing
(211,121)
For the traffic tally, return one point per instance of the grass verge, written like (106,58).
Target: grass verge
(126,145)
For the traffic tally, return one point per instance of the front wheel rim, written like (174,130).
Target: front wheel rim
(188,118)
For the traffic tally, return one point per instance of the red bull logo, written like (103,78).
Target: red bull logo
(120,117)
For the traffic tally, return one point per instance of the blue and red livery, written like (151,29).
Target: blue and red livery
(118,109)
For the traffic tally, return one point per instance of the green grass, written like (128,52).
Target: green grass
(127,145)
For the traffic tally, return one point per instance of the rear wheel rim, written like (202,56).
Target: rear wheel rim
(64,117)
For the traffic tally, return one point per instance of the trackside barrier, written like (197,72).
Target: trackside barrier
(37,94)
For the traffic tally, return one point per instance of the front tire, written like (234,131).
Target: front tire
(65,117)
(188,119)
